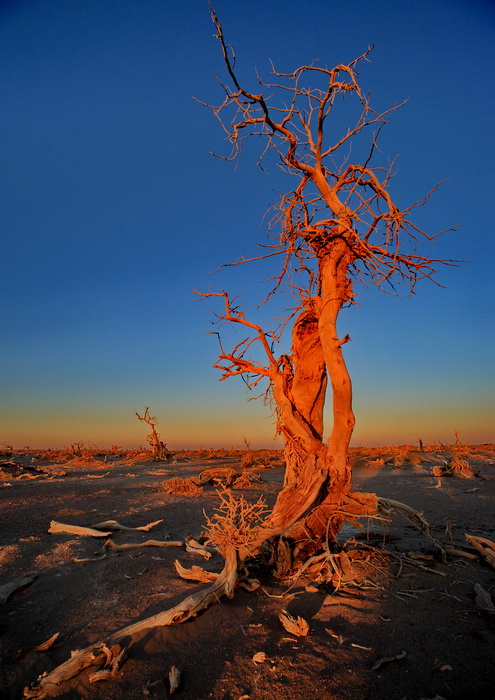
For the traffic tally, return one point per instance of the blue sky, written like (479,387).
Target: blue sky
(113,211)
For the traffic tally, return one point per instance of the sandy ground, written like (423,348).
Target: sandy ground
(437,642)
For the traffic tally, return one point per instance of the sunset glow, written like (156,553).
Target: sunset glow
(115,211)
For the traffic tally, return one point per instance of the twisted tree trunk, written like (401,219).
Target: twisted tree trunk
(316,494)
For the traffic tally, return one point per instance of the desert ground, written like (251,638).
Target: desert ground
(403,622)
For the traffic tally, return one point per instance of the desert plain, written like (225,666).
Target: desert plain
(407,620)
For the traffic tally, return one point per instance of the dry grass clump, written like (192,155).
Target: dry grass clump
(182,487)
(234,523)
(248,459)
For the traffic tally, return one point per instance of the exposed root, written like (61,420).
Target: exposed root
(456,467)
(237,530)
(246,481)
(230,528)
(462,468)
(114,525)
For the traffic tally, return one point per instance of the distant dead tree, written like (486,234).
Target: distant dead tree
(338,225)
(158,448)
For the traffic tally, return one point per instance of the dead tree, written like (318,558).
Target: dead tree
(158,448)
(338,225)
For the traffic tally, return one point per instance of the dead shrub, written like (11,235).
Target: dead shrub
(234,523)
(462,468)
(246,481)
(182,487)
(248,459)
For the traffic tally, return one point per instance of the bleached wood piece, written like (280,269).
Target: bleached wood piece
(148,543)
(56,527)
(195,573)
(114,525)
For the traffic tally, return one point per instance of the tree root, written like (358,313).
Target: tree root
(236,532)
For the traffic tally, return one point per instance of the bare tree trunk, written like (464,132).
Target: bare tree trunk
(305,385)
(316,351)
(335,290)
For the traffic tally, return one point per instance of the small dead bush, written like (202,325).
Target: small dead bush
(248,459)
(246,481)
(462,468)
(182,487)
(234,522)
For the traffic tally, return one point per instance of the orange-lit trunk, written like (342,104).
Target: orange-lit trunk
(305,387)
(335,291)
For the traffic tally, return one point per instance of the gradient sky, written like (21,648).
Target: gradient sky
(113,211)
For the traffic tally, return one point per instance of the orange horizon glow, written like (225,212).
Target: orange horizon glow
(225,429)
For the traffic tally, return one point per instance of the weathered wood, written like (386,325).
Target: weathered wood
(195,573)
(148,543)
(174,679)
(297,626)
(56,527)
(483,598)
(220,475)
(485,547)
(114,525)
